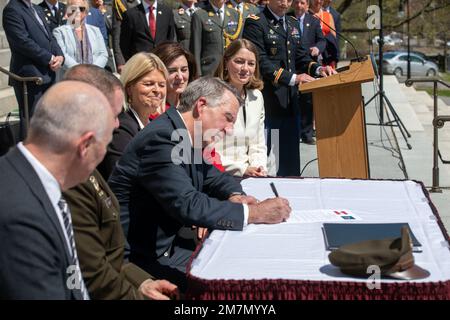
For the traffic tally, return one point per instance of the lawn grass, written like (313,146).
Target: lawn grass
(441,93)
(445,76)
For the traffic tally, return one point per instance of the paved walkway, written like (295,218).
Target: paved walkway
(389,156)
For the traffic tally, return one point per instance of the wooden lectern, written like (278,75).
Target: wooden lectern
(340,122)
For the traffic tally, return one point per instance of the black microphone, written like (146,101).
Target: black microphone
(358,57)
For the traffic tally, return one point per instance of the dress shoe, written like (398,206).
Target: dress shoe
(310,141)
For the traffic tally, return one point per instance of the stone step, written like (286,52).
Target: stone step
(425,98)
(5,57)
(399,101)
(3,41)
(7,101)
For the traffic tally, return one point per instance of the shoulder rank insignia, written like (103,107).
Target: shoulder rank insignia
(253,16)
(211,14)
(120,8)
(294,18)
(96,186)
(230,6)
(181,11)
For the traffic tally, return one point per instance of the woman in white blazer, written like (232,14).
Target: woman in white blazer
(244,153)
(80,42)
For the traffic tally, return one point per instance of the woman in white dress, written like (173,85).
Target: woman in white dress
(244,153)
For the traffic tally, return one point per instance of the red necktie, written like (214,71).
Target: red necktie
(152,22)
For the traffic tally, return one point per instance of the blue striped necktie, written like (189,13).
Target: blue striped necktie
(62,204)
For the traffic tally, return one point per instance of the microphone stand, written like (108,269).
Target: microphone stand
(396,122)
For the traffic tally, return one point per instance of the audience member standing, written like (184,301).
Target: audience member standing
(183,16)
(34,52)
(95,214)
(145,26)
(213,28)
(337,21)
(54,12)
(314,41)
(168,185)
(144,78)
(181,68)
(330,55)
(68,136)
(244,8)
(118,9)
(96,18)
(80,42)
(244,153)
(283,61)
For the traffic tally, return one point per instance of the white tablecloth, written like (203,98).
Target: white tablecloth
(296,251)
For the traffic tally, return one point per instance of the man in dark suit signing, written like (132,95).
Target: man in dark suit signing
(68,136)
(34,52)
(145,26)
(164,184)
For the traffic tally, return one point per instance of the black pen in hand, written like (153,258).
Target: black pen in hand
(272,185)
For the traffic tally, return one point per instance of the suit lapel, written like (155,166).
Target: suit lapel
(214,18)
(273,24)
(144,21)
(179,124)
(26,171)
(30,12)
(160,14)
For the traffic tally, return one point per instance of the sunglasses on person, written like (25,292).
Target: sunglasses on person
(74,9)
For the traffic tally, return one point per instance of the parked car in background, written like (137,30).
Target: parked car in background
(395,62)
(388,41)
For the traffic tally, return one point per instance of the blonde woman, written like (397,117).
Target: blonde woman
(80,42)
(144,78)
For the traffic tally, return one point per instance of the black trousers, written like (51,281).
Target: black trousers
(306,116)
(286,149)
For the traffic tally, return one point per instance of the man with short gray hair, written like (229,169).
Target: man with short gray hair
(68,135)
(163,183)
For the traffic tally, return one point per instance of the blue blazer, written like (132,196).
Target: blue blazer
(66,40)
(312,35)
(158,197)
(31,46)
(96,18)
(33,252)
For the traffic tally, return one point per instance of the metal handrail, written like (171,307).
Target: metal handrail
(438,122)
(38,81)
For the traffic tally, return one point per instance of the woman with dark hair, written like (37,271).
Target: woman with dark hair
(181,67)
(245,152)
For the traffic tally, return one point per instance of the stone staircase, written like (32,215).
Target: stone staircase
(7,98)
(418,119)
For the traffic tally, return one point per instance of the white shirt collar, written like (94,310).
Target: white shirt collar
(326,9)
(147,6)
(301,17)
(141,125)
(215,8)
(277,17)
(50,6)
(190,138)
(49,182)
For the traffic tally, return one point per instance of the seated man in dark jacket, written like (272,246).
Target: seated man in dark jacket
(163,183)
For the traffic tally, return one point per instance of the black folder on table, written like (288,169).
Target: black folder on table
(338,234)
